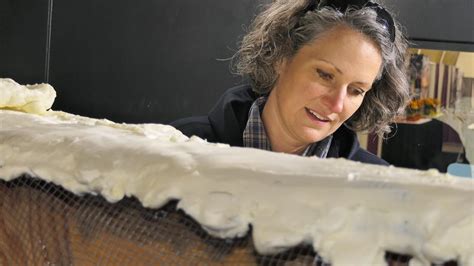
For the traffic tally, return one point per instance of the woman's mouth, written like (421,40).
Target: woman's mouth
(316,117)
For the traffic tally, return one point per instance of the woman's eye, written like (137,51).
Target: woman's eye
(324,75)
(357,91)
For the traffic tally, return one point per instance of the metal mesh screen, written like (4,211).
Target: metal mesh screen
(43,224)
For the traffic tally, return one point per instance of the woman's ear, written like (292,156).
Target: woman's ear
(281,66)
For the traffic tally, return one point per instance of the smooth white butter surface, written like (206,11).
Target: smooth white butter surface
(37,98)
(350,212)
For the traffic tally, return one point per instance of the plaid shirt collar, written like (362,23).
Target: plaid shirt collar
(255,136)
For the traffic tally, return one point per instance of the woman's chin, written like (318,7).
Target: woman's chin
(312,135)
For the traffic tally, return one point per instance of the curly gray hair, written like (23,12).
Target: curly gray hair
(283,28)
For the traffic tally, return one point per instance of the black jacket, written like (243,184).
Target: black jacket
(227,120)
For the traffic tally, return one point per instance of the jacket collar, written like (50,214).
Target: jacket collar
(230,114)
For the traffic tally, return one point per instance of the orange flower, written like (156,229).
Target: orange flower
(431,102)
(414,104)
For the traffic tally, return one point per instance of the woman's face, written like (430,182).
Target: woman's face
(323,85)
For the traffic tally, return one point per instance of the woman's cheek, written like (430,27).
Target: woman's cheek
(356,104)
(318,89)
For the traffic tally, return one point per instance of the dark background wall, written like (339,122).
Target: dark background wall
(155,60)
(128,61)
(437,24)
(23,39)
(145,60)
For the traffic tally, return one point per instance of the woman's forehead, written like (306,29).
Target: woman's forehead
(340,33)
(339,42)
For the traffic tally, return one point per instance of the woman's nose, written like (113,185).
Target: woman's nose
(335,99)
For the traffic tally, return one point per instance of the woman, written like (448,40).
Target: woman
(318,72)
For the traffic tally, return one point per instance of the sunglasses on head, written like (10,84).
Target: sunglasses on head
(383,17)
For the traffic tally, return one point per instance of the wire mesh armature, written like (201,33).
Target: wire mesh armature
(43,224)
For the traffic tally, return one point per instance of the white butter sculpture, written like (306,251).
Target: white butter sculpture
(35,98)
(350,212)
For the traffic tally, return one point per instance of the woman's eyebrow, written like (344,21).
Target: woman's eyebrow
(363,84)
